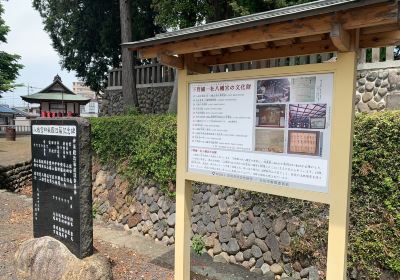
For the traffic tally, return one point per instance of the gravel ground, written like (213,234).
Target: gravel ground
(12,152)
(16,227)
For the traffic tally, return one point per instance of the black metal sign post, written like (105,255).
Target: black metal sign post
(61,182)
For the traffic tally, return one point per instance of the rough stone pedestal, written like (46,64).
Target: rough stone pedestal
(46,258)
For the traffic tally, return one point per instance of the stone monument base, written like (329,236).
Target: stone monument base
(46,258)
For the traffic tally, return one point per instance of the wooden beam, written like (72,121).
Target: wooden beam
(195,67)
(258,46)
(171,61)
(379,29)
(284,42)
(373,15)
(340,38)
(312,38)
(355,40)
(383,39)
(268,53)
(215,52)
(236,49)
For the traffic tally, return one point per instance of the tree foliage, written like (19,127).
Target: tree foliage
(86,34)
(190,13)
(9,66)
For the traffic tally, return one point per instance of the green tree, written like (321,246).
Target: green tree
(195,12)
(87,34)
(190,13)
(9,66)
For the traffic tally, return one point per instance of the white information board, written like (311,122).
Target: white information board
(54,130)
(270,130)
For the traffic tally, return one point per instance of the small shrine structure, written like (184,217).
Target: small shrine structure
(57,100)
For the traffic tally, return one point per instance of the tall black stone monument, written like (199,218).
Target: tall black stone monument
(62,182)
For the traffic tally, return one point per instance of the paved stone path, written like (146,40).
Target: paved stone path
(133,256)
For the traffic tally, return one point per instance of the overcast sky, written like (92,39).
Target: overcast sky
(28,39)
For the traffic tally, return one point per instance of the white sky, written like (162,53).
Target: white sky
(28,39)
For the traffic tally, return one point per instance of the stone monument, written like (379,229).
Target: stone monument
(61,182)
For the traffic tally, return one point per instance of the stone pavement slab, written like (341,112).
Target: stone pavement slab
(163,255)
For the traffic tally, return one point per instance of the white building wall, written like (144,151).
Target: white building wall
(91,109)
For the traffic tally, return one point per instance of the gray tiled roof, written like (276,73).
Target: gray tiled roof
(5,109)
(273,16)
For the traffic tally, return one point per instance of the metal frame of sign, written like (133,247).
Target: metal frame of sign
(337,197)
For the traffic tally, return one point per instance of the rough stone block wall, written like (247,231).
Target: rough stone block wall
(373,88)
(14,177)
(154,99)
(235,228)
(111,103)
(151,100)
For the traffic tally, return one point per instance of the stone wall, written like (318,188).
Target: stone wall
(374,87)
(151,100)
(265,234)
(14,177)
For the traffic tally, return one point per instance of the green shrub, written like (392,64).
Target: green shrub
(198,244)
(375,195)
(145,145)
(140,145)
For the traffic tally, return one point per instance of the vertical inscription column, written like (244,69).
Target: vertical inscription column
(61,183)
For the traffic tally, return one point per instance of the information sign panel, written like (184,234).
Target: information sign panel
(61,183)
(266,130)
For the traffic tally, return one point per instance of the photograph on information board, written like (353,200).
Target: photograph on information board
(301,115)
(270,140)
(273,90)
(273,130)
(303,89)
(271,115)
(304,142)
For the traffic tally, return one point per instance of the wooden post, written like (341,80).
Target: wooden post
(183,187)
(389,53)
(340,168)
(339,163)
(375,54)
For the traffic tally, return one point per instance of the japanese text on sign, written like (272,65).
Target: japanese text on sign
(274,131)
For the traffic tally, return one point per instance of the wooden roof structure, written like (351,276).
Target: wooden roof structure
(56,92)
(316,27)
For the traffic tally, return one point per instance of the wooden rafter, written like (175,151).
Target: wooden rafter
(236,49)
(198,54)
(172,61)
(267,53)
(374,15)
(215,52)
(258,46)
(193,66)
